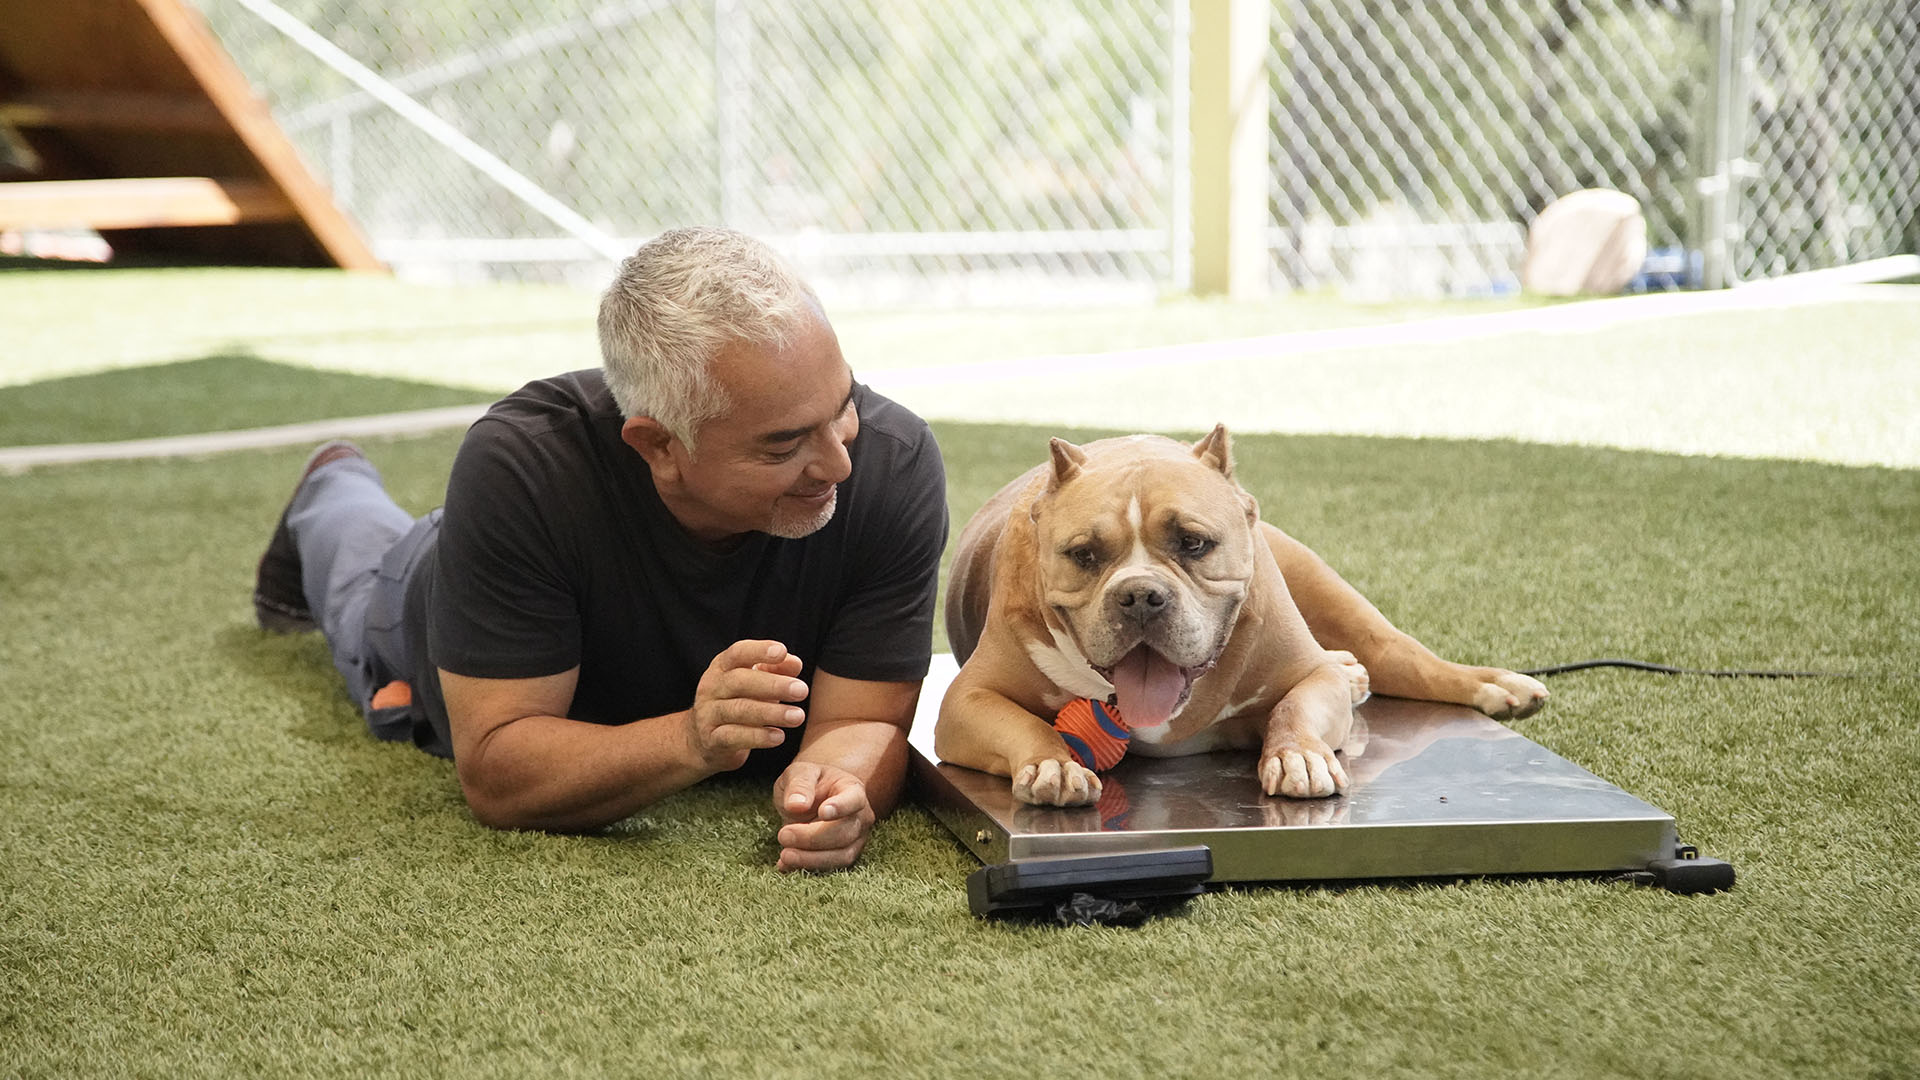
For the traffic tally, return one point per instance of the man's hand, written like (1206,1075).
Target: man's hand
(825,817)
(740,704)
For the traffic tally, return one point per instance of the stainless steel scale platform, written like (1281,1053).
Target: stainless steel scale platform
(1436,790)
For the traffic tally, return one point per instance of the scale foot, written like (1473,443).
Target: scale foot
(1078,889)
(1688,873)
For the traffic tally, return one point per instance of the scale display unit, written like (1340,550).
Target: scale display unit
(1435,791)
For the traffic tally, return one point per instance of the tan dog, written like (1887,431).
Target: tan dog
(1137,570)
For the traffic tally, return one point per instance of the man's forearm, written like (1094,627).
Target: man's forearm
(547,772)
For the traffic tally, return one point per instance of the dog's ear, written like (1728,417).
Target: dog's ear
(1216,450)
(1067,461)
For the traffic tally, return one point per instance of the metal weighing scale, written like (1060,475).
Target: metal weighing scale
(1436,791)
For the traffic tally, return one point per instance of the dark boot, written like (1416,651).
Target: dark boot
(279,601)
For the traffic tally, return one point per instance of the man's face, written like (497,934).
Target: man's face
(774,461)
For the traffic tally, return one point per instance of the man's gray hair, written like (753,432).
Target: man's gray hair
(676,303)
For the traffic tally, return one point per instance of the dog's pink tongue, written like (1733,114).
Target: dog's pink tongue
(1148,687)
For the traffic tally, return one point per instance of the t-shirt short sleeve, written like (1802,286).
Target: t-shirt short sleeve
(556,552)
(503,606)
(882,627)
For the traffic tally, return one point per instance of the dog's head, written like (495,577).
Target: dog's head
(1146,552)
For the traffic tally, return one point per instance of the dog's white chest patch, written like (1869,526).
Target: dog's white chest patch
(1241,707)
(1147,743)
(1067,667)
(1156,741)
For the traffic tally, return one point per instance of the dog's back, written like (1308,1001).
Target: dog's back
(970,581)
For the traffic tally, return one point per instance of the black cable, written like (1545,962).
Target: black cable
(1642,665)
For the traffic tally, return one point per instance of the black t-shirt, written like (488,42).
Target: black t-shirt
(555,551)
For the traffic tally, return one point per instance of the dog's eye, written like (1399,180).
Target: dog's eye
(1193,545)
(1082,557)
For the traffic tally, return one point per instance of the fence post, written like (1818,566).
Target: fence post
(732,92)
(1712,183)
(1228,122)
(1730,40)
(1180,150)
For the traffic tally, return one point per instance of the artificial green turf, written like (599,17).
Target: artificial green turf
(208,868)
(213,393)
(1833,381)
(69,323)
(1837,381)
(497,336)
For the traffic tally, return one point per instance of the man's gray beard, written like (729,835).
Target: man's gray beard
(793,526)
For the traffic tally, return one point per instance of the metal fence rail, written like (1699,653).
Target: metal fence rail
(927,151)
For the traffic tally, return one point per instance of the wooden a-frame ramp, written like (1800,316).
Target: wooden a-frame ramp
(139,126)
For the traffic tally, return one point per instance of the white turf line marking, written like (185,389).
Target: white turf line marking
(19,459)
(1815,287)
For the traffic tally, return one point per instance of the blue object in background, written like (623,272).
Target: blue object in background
(1667,269)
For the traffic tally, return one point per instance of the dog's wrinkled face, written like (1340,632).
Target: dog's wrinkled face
(1146,550)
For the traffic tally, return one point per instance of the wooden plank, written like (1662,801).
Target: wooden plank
(139,204)
(102,110)
(195,46)
(102,86)
(85,45)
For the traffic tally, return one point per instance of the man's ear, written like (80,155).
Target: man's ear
(652,442)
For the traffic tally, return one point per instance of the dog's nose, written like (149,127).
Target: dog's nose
(1147,596)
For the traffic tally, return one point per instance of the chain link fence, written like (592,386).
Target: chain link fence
(1830,170)
(999,151)
(1414,142)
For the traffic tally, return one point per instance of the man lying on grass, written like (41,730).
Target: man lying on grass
(679,565)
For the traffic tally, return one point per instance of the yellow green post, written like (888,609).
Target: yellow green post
(1228,120)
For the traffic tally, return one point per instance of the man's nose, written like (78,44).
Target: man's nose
(834,463)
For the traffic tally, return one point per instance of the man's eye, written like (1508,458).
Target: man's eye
(783,455)
(1193,545)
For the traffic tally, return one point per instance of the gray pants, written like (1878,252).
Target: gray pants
(357,550)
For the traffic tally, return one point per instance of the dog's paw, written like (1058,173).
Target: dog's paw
(1302,769)
(1356,673)
(1509,695)
(1056,783)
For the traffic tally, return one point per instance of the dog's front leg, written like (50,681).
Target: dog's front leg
(1297,758)
(982,729)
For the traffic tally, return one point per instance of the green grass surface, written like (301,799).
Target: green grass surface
(76,322)
(1838,381)
(214,393)
(498,336)
(208,868)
